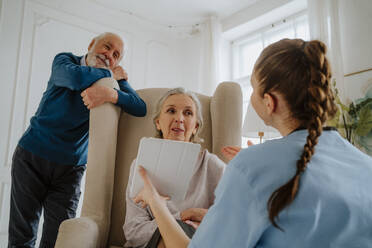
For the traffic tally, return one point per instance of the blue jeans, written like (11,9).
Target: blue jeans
(40,184)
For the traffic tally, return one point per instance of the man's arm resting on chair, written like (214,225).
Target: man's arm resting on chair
(126,98)
(97,95)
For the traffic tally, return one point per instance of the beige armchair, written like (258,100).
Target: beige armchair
(113,144)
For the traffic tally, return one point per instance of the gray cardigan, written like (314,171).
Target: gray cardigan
(139,223)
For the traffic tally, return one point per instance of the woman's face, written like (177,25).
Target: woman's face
(177,119)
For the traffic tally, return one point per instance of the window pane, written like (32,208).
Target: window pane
(255,141)
(248,53)
(245,84)
(302,29)
(247,92)
(285,30)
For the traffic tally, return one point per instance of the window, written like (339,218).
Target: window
(246,50)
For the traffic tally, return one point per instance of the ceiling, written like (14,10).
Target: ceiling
(177,12)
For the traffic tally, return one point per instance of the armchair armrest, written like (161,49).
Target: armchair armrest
(80,233)
(103,130)
(91,230)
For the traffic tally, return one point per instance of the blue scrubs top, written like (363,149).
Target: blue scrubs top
(333,207)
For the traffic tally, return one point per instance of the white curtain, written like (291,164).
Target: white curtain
(209,73)
(324,26)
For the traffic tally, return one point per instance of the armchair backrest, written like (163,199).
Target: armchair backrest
(105,197)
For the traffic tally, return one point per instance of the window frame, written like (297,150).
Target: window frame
(244,80)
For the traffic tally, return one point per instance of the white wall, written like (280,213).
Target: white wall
(32,32)
(226,60)
(356,36)
(189,62)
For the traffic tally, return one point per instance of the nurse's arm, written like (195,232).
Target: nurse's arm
(172,234)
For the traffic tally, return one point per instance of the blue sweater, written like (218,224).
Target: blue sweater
(58,131)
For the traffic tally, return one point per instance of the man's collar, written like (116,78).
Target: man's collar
(82,60)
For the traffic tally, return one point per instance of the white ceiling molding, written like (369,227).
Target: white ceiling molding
(179,13)
(103,14)
(260,14)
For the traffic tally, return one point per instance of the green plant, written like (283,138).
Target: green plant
(353,120)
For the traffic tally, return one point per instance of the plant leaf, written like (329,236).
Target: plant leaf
(343,107)
(335,121)
(364,125)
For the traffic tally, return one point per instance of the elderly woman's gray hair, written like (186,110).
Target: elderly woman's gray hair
(181,91)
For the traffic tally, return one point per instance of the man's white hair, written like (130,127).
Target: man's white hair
(100,36)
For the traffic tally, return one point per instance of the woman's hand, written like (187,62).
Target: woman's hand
(149,193)
(194,224)
(171,232)
(229,152)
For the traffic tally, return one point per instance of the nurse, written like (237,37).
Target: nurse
(311,188)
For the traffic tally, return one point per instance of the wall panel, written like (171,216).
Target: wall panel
(32,32)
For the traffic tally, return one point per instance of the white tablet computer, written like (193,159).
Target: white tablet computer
(169,164)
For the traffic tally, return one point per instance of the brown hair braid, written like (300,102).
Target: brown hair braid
(300,72)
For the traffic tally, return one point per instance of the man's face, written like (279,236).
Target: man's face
(105,52)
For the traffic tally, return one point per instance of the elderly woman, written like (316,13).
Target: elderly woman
(177,117)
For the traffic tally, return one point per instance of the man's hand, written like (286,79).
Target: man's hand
(120,73)
(96,95)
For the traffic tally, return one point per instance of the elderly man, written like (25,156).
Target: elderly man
(50,158)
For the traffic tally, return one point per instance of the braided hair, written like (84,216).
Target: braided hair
(300,72)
